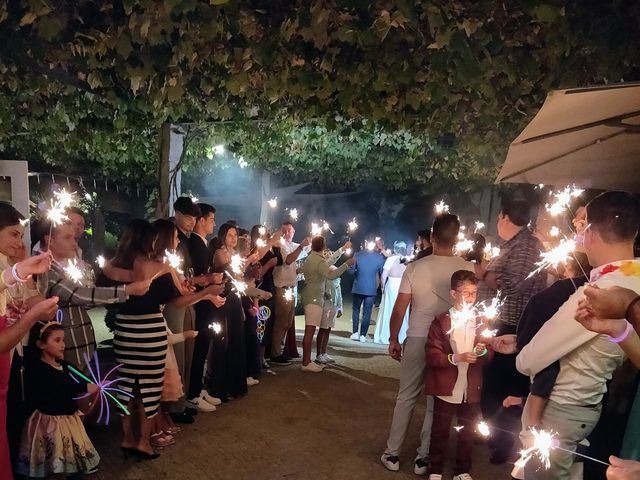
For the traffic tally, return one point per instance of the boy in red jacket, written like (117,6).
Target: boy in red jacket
(455,357)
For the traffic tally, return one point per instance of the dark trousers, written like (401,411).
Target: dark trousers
(252,346)
(443,412)
(366,302)
(501,379)
(205,340)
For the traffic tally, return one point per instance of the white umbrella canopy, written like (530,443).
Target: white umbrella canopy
(589,137)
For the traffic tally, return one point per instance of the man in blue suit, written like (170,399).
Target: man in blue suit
(367,271)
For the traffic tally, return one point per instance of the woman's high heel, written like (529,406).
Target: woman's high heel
(127,451)
(140,455)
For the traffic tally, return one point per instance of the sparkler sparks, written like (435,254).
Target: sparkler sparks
(490,251)
(262,230)
(240,286)
(352,226)
(56,214)
(316,230)
(288,294)
(273,203)
(370,245)
(293,214)
(73,271)
(479,226)
(348,251)
(24,222)
(260,243)
(101,261)
(457,428)
(483,429)
(236,264)
(554,232)
(488,333)
(491,310)
(555,256)
(441,207)
(461,318)
(174,260)
(215,327)
(562,199)
(543,443)
(64,199)
(464,245)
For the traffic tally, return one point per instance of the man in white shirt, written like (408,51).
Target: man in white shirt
(285,276)
(587,359)
(425,285)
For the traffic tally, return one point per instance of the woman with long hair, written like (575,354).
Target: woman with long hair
(140,334)
(390,279)
(12,332)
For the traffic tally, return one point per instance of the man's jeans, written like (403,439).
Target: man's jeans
(368,301)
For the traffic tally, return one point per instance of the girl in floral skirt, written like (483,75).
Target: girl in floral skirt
(54,442)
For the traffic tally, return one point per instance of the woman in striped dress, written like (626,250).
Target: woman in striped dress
(140,334)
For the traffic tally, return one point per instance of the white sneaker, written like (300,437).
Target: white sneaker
(355,336)
(390,462)
(328,358)
(200,405)
(312,367)
(321,359)
(363,339)
(463,476)
(436,476)
(252,381)
(421,465)
(209,399)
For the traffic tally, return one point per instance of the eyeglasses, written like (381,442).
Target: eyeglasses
(467,293)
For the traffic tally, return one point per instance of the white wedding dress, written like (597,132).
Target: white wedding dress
(391,277)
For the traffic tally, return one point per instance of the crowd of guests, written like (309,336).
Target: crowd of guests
(555,347)
(198,332)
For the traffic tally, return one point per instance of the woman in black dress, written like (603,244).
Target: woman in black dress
(140,334)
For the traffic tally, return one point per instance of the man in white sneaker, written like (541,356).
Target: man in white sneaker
(425,286)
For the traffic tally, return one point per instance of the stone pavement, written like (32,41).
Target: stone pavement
(294,425)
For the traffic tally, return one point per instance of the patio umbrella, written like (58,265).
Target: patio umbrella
(589,137)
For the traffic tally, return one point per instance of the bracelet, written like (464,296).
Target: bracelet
(16,277)
(624,335)
(450,358)
(4,280)
(627,314)
(484,352)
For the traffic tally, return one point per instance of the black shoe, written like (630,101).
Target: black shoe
(191,411)
(183,418)
(280,360)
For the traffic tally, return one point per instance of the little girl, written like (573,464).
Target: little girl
(54,441)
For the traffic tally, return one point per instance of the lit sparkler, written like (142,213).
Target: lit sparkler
(240,286)
(236,264)
(64,199)
(562,199)
(555,256)
(260,243)
(215,327)
(441,207)
(24,222)
(370,246)
(262,230)
(483,429)
(488,333)
(479,226)
(101,261)
(491,310)
(457,428)
(325,226)
(490,251)
(464,245)
(193,198)
(543,443)
(288,294)
(73,271)
(316,230)
(273,203)
(174,260)
(352,226)
(461,318)
(554,232)
(293,214)
(348,251)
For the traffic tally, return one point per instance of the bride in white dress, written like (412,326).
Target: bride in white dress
(390,281)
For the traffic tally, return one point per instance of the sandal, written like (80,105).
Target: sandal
(161,440)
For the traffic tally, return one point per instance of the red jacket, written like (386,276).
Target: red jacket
(441,376)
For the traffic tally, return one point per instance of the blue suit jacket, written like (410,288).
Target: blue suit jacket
(366,269)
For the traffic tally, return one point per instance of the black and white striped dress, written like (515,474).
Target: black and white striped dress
(140,344)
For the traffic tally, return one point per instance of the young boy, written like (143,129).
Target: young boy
(455,356)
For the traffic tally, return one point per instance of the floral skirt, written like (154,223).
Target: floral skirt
(56,444)
(172,387)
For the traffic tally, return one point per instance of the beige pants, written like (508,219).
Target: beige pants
(284,316)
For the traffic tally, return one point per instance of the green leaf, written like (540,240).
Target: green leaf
(218,2)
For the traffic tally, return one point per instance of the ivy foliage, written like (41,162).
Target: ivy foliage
(402,92)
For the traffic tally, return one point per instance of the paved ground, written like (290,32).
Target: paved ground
(294,425)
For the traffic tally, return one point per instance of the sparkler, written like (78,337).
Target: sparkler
(483,429)
(73,271)
(215,327)
(262,230)
(464,245)
(562,199)
(64,199)
(101,261)
(193,198)
(260,243)
(348,251)
(316,230)
(554,232)
(543,443)
(457,428)
(24,222)
(236,264)
(325,226)
(370,245)
(105,386)
(490,251)
(240,286)
(174,260)
(273,203)
(461,318)
(288,294)
(492,310)
(293,213)
(555,256)
(352,226)
(488,333)
(441,207)
(479,226)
